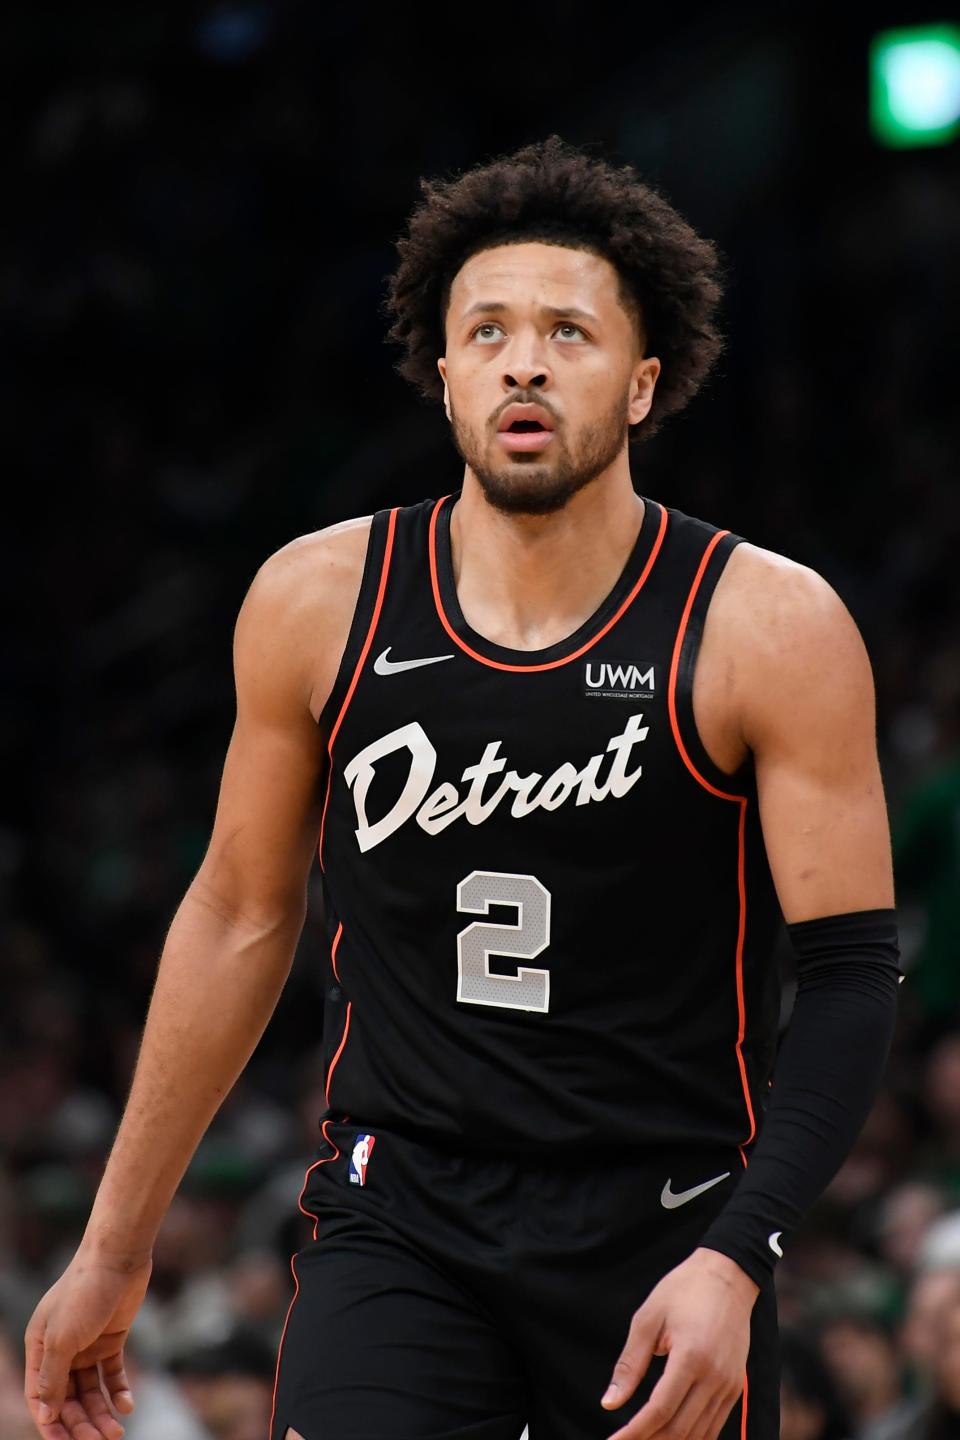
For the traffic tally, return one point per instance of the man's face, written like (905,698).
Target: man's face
(541,327)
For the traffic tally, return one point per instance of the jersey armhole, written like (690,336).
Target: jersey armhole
(740,781)
(360,623)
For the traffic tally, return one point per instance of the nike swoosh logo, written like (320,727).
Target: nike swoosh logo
(670,1199)
(774,1242)
(383,666)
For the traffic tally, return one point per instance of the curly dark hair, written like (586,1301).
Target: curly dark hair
(670,277)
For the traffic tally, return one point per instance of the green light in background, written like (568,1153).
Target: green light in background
(915,85)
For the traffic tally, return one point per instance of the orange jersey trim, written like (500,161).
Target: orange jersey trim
(675,667)
(296,1278)
(740,800)
(283,1336)
(378,606)
(547,664)
(741,1003)
(333,951)
(343,1041)
(324,1160)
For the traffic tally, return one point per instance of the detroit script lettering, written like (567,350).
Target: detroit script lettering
(436,809)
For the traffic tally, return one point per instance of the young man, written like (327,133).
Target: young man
(572,757)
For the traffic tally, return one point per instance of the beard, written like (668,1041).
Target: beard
(524,484)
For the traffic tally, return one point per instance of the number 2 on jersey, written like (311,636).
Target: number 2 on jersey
(529,988)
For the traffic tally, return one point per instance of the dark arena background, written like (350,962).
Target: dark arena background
(199,209)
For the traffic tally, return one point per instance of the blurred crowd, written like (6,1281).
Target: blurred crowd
(190,286)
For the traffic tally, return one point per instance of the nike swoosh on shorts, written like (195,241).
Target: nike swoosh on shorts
(383,666)
(670,1200)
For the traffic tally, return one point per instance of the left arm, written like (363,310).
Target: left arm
(802,692)
(827,837)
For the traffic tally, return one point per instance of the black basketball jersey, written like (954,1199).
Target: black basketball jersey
(550,916)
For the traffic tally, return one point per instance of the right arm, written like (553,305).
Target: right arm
(225,960)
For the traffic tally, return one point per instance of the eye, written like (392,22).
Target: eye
(485,339)
(569,325)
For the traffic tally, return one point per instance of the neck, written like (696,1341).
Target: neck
(528,581)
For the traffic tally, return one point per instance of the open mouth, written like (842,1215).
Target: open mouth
(525,436)
(525,427)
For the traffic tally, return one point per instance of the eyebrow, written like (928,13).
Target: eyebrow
(557,312)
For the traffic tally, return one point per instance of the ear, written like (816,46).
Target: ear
(641,388)
(442,367)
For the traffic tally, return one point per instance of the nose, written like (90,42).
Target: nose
(522,377)
(523,366)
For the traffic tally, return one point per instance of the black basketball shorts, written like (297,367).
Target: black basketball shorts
(450,1296)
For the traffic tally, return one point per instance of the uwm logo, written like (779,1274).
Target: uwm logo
(604,680)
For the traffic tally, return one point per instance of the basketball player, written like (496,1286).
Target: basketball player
(571,759)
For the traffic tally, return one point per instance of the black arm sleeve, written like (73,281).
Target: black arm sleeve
(826,1076)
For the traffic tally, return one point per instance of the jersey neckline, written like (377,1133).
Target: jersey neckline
(632,577)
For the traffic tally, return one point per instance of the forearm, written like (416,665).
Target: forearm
(827,1075)
(217,984)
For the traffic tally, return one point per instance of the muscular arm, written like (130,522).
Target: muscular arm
(804,692)
(790,671)
(804,695)
(229,947)
(225,959)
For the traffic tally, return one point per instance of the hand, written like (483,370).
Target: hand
(74,1348)
(699,1317)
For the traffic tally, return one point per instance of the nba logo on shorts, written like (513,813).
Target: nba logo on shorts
(363,1145)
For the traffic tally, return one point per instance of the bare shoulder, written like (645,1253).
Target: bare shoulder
(299,607)
(789,643)
(777,606)
(309,569)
